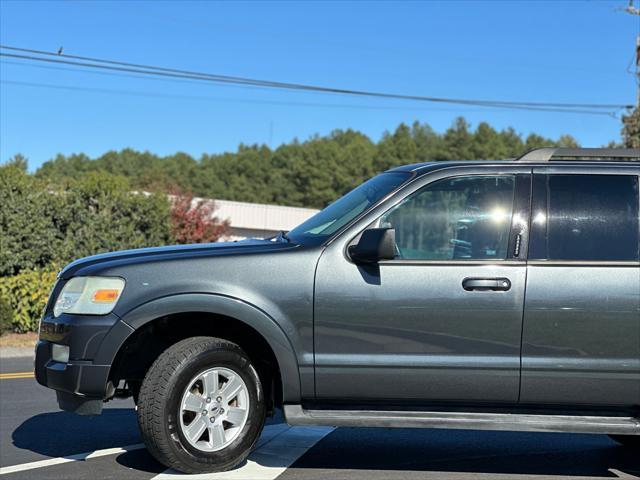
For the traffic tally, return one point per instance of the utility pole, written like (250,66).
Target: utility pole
(638,68)
(631,121)
(633,10)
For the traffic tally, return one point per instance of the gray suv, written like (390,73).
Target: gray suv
(487,295)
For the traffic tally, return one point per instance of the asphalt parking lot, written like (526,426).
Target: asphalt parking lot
(39,441)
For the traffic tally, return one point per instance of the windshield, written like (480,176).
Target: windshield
(325,223)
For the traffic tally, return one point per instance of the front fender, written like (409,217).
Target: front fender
(219,305)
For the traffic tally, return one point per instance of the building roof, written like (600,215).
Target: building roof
(259,216)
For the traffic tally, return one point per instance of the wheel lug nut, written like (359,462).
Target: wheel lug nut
(219,399)
(222,410)
(204,412)
(213,419)
(208,399)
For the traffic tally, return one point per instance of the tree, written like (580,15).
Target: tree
(457,142)
(308,173)
(487,143)
(512,143)
(428,142)
(567,141)
(18,161)
(631,129)
(396,149)
(193,221)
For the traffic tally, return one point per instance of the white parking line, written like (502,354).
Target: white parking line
(71,458)
(277,450)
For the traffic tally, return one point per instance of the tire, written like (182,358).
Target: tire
(627,441)
(174,388)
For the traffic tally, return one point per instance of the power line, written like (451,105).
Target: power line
(462,109)
(227,78)
(493,105)
(134,93)
(571,108)
(113,65)
(137,93)
(244,80)
(119,74)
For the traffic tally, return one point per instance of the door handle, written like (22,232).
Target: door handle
(486,284)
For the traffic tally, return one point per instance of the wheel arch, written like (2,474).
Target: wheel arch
(220,307)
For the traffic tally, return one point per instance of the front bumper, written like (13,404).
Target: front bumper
(81,384)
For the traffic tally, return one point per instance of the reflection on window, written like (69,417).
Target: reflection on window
(461,218)
(591,217)
(328,221)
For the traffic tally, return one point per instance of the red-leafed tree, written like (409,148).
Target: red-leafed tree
(193,220)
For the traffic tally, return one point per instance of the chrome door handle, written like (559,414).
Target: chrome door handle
(486,284)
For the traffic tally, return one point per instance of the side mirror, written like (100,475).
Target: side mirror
(375,244)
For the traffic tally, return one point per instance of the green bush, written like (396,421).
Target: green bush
(6,316)
(99,213)
(96,213)
(28,237)
(27,295)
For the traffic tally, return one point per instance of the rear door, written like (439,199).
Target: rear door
(581,330)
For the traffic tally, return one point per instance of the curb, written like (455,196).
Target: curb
(16,352)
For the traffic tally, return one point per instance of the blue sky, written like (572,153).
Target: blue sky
(554,51)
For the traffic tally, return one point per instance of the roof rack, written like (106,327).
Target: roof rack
(584,154)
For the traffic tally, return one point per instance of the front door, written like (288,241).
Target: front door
(442,321)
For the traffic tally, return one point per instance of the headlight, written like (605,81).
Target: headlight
(89,296)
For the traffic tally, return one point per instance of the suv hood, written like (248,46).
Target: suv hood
(176,251)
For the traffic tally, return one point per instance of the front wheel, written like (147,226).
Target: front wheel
(201,406)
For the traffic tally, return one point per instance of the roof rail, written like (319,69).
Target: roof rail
(584,154)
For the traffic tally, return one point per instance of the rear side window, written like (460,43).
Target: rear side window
(585,217)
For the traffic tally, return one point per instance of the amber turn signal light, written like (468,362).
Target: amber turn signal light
(106,295)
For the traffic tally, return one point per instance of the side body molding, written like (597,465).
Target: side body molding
(231,307)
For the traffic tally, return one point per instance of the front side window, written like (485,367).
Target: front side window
(462,218)
(586,217)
